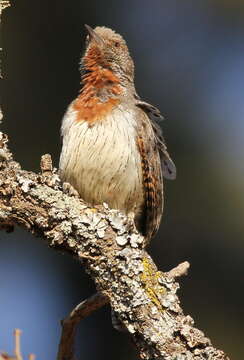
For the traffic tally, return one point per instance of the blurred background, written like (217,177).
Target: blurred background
(189,58)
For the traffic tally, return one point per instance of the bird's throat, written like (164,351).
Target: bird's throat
(100,92)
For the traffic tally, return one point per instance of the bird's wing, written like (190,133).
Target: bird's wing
(150,218)
(168,166)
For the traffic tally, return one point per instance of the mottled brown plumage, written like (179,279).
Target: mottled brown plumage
(113,150)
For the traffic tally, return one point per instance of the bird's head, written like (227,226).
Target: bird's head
(108,50)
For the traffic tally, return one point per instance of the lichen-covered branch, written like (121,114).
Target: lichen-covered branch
(112,252)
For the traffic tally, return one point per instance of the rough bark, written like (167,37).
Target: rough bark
(111,251)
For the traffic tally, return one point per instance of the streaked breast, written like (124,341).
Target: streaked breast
(102,161)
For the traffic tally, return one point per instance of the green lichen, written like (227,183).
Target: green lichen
(149,279)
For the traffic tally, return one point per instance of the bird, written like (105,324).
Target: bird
(113,150)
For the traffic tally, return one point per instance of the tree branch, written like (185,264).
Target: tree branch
(69,324)
(17,349)
(112,252)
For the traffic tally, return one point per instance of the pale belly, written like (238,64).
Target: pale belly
(102,162)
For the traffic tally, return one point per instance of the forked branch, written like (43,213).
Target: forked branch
(112,252)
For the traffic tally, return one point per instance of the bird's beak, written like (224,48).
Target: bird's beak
(93,36)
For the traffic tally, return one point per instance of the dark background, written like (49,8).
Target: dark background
(189,59)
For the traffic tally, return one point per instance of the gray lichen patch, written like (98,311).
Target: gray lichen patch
(136,240)
(25,183)
(46,194)
(121,240)
(117,221)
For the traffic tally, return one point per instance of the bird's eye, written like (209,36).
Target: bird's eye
(117,44)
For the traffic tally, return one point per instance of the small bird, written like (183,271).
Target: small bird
(113,150)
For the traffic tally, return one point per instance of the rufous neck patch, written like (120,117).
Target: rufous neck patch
(100,91)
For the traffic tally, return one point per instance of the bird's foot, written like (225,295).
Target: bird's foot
(70,190)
